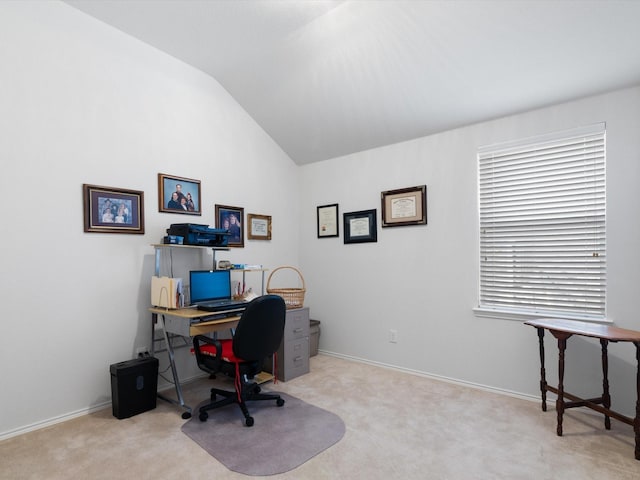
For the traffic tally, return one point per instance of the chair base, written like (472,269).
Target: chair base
(251,392)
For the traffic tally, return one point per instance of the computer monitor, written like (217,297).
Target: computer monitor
(207,285)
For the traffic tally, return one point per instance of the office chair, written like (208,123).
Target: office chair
(257,336)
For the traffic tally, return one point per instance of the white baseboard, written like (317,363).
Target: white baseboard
(81,412)
(486,388)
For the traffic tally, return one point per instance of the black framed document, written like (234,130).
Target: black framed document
(360,227)
(328,225)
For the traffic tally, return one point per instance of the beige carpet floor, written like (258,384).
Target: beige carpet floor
(398,426)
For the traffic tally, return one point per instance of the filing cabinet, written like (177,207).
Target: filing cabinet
(293,354)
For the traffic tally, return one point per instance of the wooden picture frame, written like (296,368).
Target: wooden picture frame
(405,206)
(112,210)
(232,219)
(179,195)
(360,227)
(327,221)
(258,227)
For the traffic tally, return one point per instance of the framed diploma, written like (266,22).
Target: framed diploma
(360,227)
(259,227)
(406,206)
(328,221)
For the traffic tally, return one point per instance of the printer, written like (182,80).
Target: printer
(195,234)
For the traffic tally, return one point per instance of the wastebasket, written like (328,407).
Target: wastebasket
(133,386)
(314,337)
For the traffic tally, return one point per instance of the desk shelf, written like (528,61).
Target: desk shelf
(161,246)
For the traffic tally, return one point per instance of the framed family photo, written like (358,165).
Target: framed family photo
(405,206)
(179,195)
(112,210)
(327,218)
(259,227)
(231,218)
(360,227)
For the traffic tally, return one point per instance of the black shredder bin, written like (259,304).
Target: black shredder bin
(134,386)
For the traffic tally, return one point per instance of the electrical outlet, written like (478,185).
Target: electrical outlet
(393,336)
(140,351)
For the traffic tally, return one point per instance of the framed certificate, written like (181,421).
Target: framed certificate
(360,227)
(259,227)
(406,206)
(328,221)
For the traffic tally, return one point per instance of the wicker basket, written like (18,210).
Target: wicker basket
(293,297)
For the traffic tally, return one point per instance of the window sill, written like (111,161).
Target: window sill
(520,316)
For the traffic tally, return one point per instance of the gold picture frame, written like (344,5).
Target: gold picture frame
(258,227)
(112,210)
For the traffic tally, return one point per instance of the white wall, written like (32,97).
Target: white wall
(422,280)
(83,103)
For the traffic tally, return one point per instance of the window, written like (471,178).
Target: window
(542,227)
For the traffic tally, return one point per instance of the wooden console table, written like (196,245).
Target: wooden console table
(562,330)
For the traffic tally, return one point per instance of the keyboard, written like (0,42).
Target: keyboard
(219,305)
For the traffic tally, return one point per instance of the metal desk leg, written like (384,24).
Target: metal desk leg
(174,372)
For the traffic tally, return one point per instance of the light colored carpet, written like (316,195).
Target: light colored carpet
(298,428)
(398,425)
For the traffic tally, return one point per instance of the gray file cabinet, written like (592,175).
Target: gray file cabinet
(293,354)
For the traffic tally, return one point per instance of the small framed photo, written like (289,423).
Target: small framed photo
(328,225)
(112,210)
(406,206)
(231,218)
(179,195)
(360,227)
(259,227)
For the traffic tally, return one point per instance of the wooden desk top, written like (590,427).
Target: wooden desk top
(595,330)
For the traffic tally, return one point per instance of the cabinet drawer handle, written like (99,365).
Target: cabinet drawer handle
(297,359)
(297,330)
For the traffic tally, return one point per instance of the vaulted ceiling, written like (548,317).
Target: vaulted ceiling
(326,78)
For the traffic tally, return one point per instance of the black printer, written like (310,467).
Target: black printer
(203,235)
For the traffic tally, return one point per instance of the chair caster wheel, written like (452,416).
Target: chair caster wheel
(186,415)
(203,416)
(280,402)
(249,422)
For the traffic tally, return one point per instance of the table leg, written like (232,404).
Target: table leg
(606,398)
(562,346)
(636,421)
(543,380)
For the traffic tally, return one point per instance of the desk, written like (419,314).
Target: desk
(186,323)
(562,330)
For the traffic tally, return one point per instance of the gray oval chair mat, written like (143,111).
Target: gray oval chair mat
(281,439)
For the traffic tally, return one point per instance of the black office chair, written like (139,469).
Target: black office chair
(257,336)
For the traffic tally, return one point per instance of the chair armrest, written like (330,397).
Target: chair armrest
(198,340)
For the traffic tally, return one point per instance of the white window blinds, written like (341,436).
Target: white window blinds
(542,226)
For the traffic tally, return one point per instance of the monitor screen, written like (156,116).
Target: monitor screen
(209,285)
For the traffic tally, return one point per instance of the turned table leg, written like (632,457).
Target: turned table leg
(636,421)
(543,380)
(606,397)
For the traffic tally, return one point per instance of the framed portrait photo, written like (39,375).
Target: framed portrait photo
(327,218)
(360,227)
(405,206)
(231,219)
(179,195)
(258,227)
(112,210)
